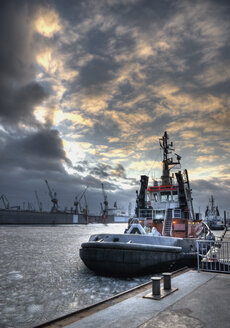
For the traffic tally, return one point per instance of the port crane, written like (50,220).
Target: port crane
(101,208)
(53,197)
(30,206)
(5,201)
(77,203)
(86,206)
(38,201)
(105,209)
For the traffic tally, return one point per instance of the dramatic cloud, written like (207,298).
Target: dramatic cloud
(88,88)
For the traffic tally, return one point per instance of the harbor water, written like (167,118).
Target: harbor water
(42,276)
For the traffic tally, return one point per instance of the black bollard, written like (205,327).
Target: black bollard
(156,291)
(167,280)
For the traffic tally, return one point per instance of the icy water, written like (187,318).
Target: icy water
(42,276)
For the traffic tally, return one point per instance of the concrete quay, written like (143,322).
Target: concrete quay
(201,299)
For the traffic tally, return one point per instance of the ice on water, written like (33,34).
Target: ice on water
(43,277)
(15,275)
(33,308)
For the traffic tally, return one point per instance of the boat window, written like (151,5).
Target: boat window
(177,213)
(175,196)
(160,215)
(154,195)
(165,196)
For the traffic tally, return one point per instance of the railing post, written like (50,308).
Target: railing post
(197,250)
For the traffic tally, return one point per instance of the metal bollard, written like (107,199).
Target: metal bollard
(156,291)
(167,280)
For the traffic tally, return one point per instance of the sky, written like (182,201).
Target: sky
(87,88)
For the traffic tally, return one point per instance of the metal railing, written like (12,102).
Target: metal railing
(146,213)
(213,255)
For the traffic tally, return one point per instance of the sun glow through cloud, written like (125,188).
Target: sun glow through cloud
(47,22)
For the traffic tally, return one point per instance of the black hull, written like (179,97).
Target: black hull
(216,227)
(122,261)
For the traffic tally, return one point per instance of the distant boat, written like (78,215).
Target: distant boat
(212,216)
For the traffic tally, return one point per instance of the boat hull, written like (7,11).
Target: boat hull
(135,255)
(216,226)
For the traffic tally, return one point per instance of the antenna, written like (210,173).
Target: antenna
(168,163)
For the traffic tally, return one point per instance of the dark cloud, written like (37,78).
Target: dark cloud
(101,170)
(45,143)
(19,92)
(97,42)
(96,73)
(17,105)
(79,168)
(100,130)
(119,171)
(40,150)
(15,53)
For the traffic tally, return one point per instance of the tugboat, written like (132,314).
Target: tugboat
(161,236)
(212,216)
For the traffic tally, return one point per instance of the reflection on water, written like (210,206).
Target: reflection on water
(42,276)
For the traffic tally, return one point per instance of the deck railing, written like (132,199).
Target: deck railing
(213,255)
(146,213)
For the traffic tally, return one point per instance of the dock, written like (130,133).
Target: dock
(201,299)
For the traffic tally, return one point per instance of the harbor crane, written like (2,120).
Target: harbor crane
(53,197)
(30,206)
(5,201)
(38,201)
(102,210)
(86,206)
(77,203)
(105,209)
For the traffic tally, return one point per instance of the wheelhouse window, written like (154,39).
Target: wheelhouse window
(152,196)
(160,215)
(155,196)
(175,196)
(165,196)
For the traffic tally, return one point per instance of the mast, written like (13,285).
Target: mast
(167,162)
(212,203)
